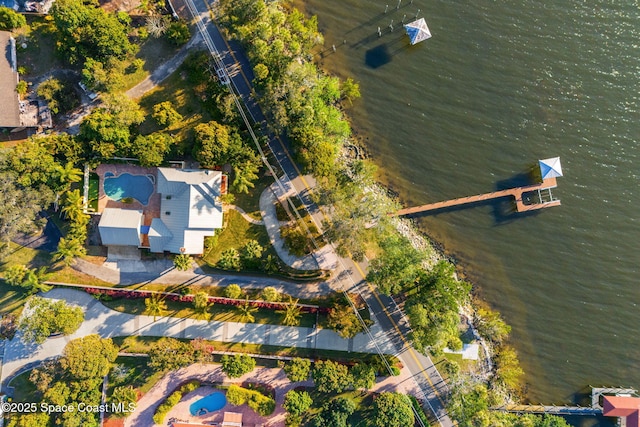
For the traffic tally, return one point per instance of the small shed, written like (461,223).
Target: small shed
(120,227)
(417,31)
(550,168)
(232,419)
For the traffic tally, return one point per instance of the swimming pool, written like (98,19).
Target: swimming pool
(213,402)
(126,185)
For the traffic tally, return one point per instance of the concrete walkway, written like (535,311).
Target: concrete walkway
(324,259)
(108,323)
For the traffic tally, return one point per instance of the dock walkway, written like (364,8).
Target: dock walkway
(517,193)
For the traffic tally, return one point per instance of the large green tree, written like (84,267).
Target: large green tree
(169,354)
(331,377)
(392,409)
(48,317)
(87,31)
(396,267)
(237,365)
(298,369)
(89,357)
(10,19)
(20,207)
(151,149)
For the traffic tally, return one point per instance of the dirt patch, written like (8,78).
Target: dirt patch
(121,5)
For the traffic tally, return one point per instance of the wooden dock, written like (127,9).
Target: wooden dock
(551,410)
(517,193)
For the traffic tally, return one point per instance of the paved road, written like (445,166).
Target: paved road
(351,274)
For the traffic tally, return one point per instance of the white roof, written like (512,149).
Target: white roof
(120,227)
(190,208)
(159,235)
(417,31)
(550,168)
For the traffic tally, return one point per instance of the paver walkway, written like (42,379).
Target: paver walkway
(209,373)
(108,323)
(324,258)
(244,215)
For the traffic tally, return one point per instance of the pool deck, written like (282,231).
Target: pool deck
(150,210)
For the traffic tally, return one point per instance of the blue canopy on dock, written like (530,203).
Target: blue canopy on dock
(550,168)
(417,31)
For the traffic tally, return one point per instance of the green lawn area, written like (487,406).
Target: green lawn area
(235,234)
(143,345)
(94,191)
(178,89)
(25,391)
(154,51)
(250,201)
(39,56)
(222,313)
(132,371)
(12,299)
(34,258)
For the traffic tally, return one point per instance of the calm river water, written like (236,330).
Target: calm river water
(500,85)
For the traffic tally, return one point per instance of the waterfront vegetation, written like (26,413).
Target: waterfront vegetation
(200,121)
(304,102)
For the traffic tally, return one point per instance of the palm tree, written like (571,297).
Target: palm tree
(68,174)
(68,249)
(246,311)
(73,205)
(34,280)
(155,305)
(245,175)
(291,314)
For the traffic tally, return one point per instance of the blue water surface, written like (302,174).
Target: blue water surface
(213,402)
(138,187)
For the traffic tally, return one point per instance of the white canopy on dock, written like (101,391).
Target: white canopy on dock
(550,168)
(417,31)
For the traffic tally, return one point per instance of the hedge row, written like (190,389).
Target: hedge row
(131,294)
(173,400)
(257,401)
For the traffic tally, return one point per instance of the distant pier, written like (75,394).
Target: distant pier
(599,395)
(546,199)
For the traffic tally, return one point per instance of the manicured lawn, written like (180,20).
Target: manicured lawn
(143,345)
(250,201)
(132,371)
(235,234)
(94,191)
(25,391)
(34,258)
(12,299)
(222,313)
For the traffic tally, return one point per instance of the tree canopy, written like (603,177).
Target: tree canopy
(49,317)
(392,409)
(87,31)
(237,365)
(89,357)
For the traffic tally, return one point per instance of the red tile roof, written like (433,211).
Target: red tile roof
(624,407)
